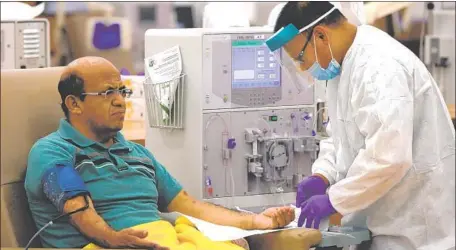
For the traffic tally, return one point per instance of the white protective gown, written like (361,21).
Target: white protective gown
(391,155)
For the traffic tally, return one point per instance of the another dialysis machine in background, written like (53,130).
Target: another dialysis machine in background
(143,16)
(246,134)
(25,44)
(439,48)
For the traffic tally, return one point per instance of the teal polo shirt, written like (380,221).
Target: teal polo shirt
(127,184)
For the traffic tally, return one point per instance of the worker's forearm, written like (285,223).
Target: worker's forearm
(90,223)
(210,212)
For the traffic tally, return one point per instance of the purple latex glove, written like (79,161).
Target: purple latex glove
(310,186)
(314,209)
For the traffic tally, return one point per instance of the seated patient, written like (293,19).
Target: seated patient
(125,186)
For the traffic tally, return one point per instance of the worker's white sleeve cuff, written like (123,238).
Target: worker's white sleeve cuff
(326,161)
(325,173)
(337,206)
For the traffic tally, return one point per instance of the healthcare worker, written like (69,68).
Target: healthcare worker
(391,150)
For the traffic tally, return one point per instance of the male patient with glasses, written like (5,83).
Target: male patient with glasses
(88,162)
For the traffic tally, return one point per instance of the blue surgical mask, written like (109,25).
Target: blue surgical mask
(329,73)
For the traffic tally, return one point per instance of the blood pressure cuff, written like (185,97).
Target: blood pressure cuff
(61,183)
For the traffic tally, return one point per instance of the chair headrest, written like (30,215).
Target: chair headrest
(30,109)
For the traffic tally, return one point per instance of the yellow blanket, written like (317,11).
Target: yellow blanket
(183,236)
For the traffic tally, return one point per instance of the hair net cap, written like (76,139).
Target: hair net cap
(18,11)
(353,11)
(282,37)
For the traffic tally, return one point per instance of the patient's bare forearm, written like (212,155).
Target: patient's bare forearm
(186,204)
(223,216)
(90,223)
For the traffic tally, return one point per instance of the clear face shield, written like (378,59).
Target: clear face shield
(291,64)
(291,70)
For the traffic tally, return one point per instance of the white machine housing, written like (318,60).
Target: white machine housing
(235,92)
(25,44)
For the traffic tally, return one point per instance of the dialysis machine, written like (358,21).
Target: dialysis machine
(246,135)
(25,44)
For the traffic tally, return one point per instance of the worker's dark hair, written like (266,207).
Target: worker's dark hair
(301,14)
(70,85)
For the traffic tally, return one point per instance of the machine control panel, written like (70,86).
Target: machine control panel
(255,73)
(239,71)
(260,99)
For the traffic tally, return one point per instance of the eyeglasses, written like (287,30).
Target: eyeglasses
(125,93)
(299,58)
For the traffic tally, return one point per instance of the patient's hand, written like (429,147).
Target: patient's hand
(135,239)
(275,217)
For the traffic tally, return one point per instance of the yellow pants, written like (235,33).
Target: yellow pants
(183,236)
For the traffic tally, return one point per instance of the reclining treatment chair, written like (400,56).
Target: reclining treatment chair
(29,110)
